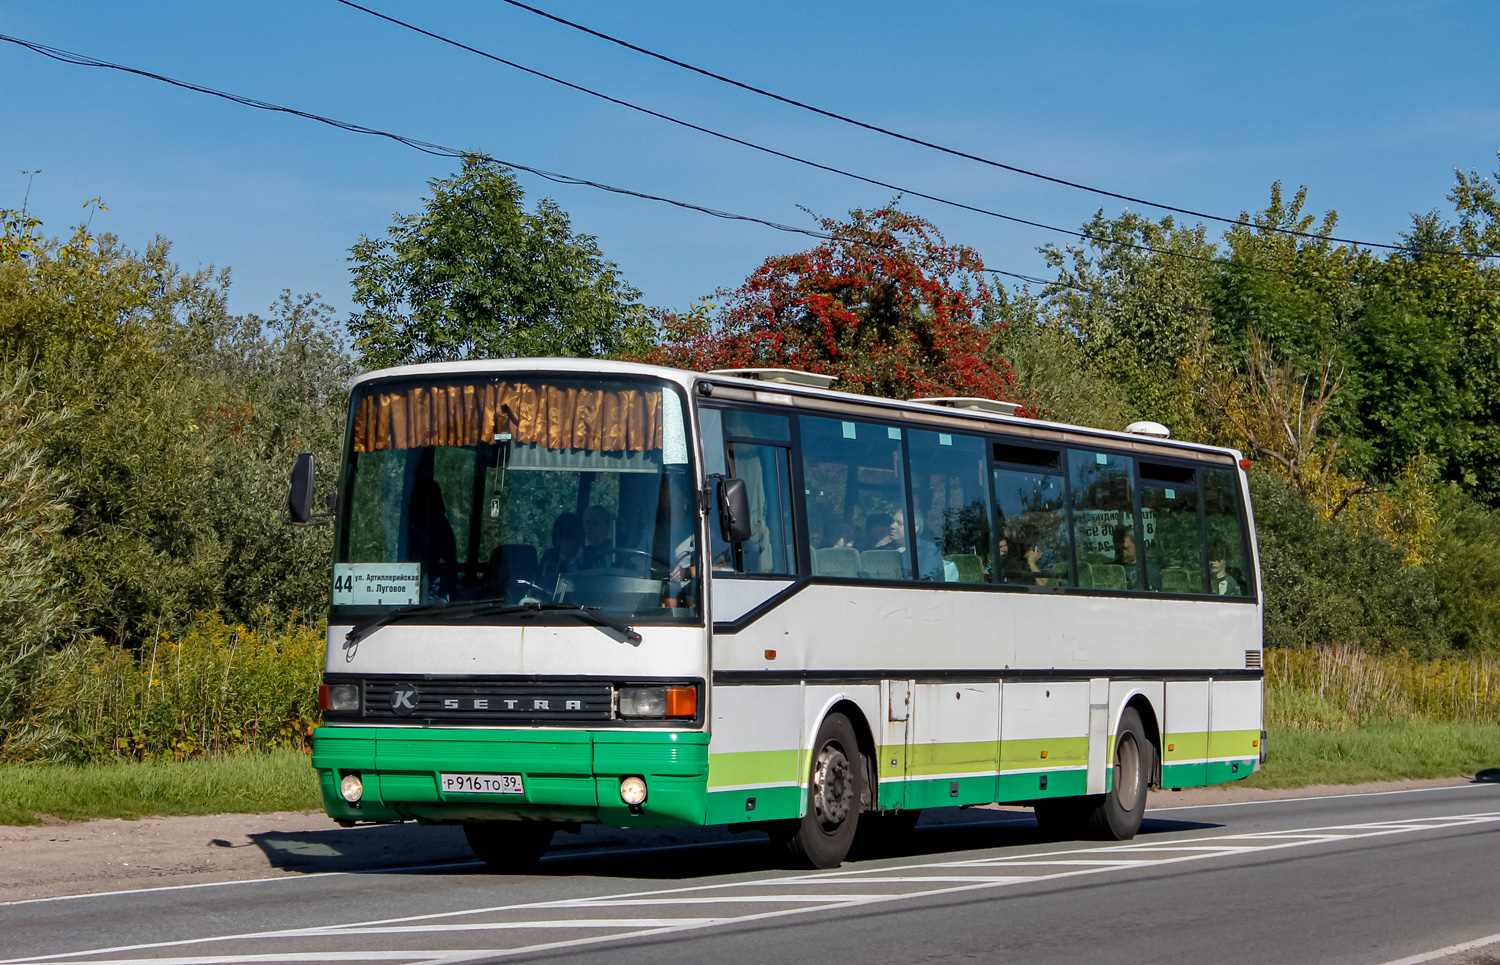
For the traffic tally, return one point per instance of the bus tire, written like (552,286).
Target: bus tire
(1117,817)
(512,847)
(822,838)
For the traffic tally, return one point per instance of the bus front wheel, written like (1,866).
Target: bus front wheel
(821,839)
(513,847)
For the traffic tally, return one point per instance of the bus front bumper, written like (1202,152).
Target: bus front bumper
(566,775)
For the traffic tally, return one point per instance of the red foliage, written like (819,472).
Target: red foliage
(887,305)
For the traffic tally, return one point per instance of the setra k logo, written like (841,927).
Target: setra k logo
(404,699)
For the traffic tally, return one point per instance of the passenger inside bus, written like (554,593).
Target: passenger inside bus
(598,540)
(1125,555)
(1224,583)
(566,554)
(929,560)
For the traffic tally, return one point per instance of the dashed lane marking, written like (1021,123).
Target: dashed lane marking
(509,930)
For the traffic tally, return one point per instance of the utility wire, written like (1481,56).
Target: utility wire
(1081,235)
(440,150)
(974,157)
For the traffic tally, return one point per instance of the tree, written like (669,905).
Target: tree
(475,276)
(885,304)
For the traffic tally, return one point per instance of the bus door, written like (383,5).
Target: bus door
(895,742)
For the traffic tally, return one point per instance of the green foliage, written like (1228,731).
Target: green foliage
(475,276)
(33,512)
(215,688)
(1332,582)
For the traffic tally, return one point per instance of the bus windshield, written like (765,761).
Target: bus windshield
(518,489)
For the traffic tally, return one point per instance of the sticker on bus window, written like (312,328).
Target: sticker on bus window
(1101,458)
(944,439)
(1171,493)
(848,429)
(893,432)
(377,584)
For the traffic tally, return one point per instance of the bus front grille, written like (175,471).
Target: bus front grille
(519,701)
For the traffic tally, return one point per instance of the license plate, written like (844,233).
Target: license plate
(482,783)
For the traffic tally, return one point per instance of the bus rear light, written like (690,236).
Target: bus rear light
(338,697)
(682,701)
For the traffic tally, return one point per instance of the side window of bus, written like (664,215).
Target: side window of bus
(1173,537)
(1229,570)
(1029,494)
(755,447)
(856,499)
(1104,533)
(952,507)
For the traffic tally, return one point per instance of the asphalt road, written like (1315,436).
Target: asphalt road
(1374,878)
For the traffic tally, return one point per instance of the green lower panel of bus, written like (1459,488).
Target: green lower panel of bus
(565,775)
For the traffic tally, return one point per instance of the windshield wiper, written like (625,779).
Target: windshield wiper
(488,608)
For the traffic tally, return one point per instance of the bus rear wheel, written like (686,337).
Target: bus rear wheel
(1115,816)
(822,838)
(512,847)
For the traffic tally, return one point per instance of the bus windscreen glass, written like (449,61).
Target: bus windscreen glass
(519,489)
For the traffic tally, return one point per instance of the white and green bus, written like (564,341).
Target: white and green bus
(570,591)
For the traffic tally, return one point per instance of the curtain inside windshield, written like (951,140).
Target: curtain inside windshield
(546,490)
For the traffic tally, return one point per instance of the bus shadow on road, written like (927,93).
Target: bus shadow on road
(660,854)
(378,847)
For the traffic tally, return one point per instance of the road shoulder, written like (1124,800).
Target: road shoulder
(51,860)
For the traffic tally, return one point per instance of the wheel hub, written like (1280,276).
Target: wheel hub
(833,787)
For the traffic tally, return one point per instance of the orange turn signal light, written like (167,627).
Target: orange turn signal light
(1044,753)
(770,654)
(682,701)
(1171,747)
(322,696)
(1244,463)
(1255,743)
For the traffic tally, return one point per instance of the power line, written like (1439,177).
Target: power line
(974,157)
(1084,236)
(440,150)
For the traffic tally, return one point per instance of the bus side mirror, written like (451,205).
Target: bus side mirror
(299,495)
(734,511)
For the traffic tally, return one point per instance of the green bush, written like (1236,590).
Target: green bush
(1328,581)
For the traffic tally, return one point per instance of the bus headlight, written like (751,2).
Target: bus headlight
(659,702)
(643,701)
(633,791)
(352,788)
(339,697)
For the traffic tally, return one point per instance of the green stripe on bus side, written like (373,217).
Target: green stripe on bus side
(1060,751)
(1233,743)
(1184,747)
(754,767)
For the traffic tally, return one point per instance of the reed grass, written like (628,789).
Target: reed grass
(1337,688)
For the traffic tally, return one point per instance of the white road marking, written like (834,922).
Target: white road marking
(1446,952)
(621,852)
(951,879)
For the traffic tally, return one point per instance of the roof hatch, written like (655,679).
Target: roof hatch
(812,380)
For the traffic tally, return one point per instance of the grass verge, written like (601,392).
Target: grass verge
(241,783)
(283,780)
(1383,751)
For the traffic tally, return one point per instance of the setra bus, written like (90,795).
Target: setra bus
(569,591)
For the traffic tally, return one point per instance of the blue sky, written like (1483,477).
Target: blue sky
(1372,105)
